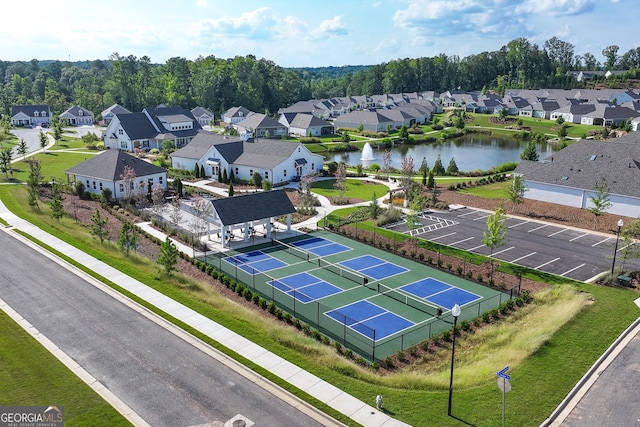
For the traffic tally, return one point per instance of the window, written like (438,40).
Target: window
(313,167)
(100,186)
(121,188)
(250,172)
(80,113)
(285,172)
(94,185)
(36,114)
(266,175)
(160,180)
(123,145)
(236,172)
(120,132)
(43,114)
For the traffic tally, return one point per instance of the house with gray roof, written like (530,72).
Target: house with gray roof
(30,115)
(277,161)
(573,113)
(108,114)
(259,125)
(78,116)
(607,115)
(569,177)
(151,129)
(372,121)
(203,116)
(235,115)
(107,170)
(301,124)
(248,211)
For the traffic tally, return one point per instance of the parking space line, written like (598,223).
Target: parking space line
(557,232)
(573,269)
(576,238)
(523,257)
(538,228)
(546,263)
(482,217)
(520,223)
(465,214)
(601,241)
(475,247)
(504,250)
(460,241)
(445,235)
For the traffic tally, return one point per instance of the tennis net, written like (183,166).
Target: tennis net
(409,300)
(290,249)
(343,272)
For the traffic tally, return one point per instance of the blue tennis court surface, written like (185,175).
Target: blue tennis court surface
(373,267)
(369,319)
(440,293)
(255,262)
(320,246)
(304,287)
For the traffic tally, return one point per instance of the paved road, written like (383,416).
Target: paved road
(166,380)
(564,251)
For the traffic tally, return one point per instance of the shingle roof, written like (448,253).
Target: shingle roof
(260,121)
(75,111)
(584,163)
(115,109)
(252,207)
(264,154)
(29,110)
(202,142)
(109,165)
(137,125)
(201,111)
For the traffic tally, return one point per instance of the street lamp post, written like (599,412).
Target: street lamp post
(455,312)
(613,264)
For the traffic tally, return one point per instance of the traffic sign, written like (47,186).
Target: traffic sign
(502,373)
(504,385)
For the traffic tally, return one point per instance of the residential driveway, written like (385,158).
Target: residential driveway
(31,137)
(564,251)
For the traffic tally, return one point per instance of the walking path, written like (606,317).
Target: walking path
(344,403)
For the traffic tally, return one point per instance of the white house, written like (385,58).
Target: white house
(108,114)
(151,128)
(275,160)
(30,115)
(303,124)
(107,170)
(235,115)
(569,177)
(203,116)
(78,116)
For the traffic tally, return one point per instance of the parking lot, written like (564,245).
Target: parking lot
(561,250)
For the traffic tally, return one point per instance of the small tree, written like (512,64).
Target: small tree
(530,152)
(105,197)
(341,180)
(438,169)
(43,141)
(452,169)
(33,183)
(168,256)
(202,172)
(200,210)
(176,212)
(515,191)
(128,177)
(5,160)
(600,202)
(267,185)
(157,199)
(403,133)
(374,207)
(99,226)
(431,181)
(386,161)
(55,205)
(495,235)
(257,179)
(345,138)
(22,148)
(231,190)
(128,238)
(196,170)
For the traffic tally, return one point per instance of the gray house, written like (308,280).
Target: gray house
(569,177)
(78,116)
(110,113)
(30,115)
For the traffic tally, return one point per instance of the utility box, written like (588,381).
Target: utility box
(624,281)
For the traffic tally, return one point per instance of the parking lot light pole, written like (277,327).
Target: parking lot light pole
(455,312)
(613,264)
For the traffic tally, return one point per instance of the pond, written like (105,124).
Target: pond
(471,152)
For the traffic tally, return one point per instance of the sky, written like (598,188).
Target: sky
(307,33)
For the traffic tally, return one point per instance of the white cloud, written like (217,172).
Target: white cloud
(201,4)
(557,7)
(333,27)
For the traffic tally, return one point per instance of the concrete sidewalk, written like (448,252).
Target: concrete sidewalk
(344,403)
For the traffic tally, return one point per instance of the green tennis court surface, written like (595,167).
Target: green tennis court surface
(369,300)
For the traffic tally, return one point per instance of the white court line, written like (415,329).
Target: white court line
(446,235)
(465,214)
(573,269)
(482,217)
(538,228)
(460,241)
(504,250)
(546,263)
(476,247)
(520,223)
(557,232)
(576,238)
(601,241)
(523,257)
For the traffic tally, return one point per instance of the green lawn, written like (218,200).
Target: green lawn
(496,190)
(537,125)
(356,189)
(30,375)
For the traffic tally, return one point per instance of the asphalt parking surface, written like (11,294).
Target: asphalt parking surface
(552,248)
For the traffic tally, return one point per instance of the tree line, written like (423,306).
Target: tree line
(262,86)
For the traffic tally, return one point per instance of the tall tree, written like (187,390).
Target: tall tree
(55,205)
(530,152)
(560,54)
(33,183)
(611,55)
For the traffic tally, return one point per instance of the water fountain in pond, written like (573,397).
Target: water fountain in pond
(367,153)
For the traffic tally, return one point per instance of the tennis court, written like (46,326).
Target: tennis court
(370,300)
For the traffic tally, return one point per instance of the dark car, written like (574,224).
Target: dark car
(44,125)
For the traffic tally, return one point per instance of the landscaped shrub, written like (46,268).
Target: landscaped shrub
(247,294)
(388,363)
(338,347)
(459,270)
(348,353)
(272,307)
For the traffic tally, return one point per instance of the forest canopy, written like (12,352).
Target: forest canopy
(262,86)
